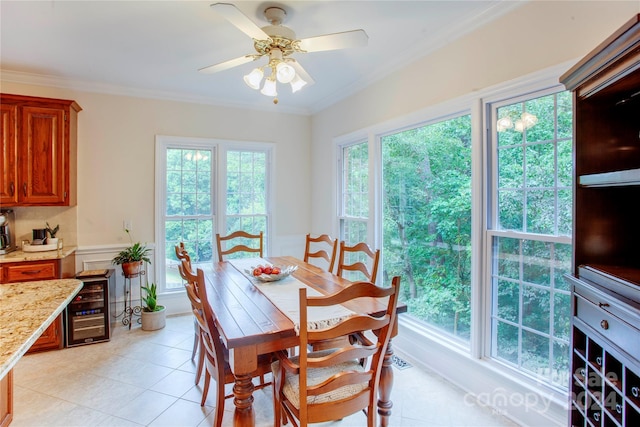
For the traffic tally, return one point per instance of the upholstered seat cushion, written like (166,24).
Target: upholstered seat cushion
(291,387)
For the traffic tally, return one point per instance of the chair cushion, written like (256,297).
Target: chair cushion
(291,387)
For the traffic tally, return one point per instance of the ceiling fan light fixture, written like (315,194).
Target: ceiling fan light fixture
(285,72)
(254,78)
(297,83)
(269,87)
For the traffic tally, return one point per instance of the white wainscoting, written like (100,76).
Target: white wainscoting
(99,257)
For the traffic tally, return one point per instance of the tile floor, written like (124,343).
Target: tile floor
(142,378)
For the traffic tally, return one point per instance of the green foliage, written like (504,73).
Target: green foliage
(52,230)
(135,252)
(150,299)
(427,220)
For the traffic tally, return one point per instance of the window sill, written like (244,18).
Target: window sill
(514,397)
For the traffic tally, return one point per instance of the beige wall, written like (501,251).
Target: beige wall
(116,133)
(536,36)
(116,142)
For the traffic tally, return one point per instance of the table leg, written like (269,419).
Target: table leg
(243,399)
(386,384)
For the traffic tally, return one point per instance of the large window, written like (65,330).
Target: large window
(497,288)
(530,234)
(426,198)
(199,179)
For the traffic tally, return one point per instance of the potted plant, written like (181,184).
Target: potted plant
(132,257)
(52,240)
(153,315)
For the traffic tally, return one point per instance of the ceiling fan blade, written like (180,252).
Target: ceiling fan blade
(240,20)
(301,72)
(347,39)
(227,64)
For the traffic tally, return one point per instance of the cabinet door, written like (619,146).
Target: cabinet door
(8,155)
(51,338)
(44,156)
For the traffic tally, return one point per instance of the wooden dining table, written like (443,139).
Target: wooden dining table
(251,324)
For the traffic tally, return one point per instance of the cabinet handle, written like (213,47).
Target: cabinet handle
(596,416)
(603,304)
(12,189)
(635,391)
(604,324)
(24,189)
(31,272)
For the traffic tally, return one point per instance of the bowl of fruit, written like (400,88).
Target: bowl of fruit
(271,273)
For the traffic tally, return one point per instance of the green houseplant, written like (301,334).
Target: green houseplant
(52,239)
(152,315)
(132,257)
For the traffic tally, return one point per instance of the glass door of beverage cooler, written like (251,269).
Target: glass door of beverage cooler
(87,316)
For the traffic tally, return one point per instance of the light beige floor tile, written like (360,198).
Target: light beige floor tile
(182,413)
(145,408)
(177,383)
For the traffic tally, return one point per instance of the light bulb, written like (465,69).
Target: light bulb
(519,125)
(529,120)
(254,78)
(269,88)
(504,124)
(297,83)
(285,72)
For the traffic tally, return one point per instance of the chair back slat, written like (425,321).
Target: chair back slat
(243,246)
(359,257)
(322,247)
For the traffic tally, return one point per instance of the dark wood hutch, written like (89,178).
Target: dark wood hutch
(605,350)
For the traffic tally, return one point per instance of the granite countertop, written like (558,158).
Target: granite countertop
(26,310)
(21,256)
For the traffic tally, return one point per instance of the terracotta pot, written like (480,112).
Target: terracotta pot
(131,269)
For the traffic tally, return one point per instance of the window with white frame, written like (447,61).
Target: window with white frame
(529,233)
(354,192)
(424,179)
(354,200)
(247,192)
(426,221)
(188,171)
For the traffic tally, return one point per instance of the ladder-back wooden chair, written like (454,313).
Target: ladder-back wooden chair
(332,384)
(322,246)
(242,241)
(185,264)
(359,257)
(216,354)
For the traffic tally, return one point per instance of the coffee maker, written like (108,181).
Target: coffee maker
(7,231)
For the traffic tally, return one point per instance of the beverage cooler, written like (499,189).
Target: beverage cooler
(87,316)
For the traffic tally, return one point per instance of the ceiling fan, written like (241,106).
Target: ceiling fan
(278,42)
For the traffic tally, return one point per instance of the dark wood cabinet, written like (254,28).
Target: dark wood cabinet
(13,272)
(38,151)
(605,358)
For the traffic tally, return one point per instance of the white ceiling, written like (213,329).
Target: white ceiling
(154,48)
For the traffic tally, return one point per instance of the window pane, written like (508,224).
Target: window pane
(246,194)
(531,300)
(188,213)
(356,180)
(427,221)
(530,293)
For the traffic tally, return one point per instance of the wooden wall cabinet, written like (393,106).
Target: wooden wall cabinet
(38,151)
(605,356)
(53,337)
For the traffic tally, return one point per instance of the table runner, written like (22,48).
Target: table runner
(285,296)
